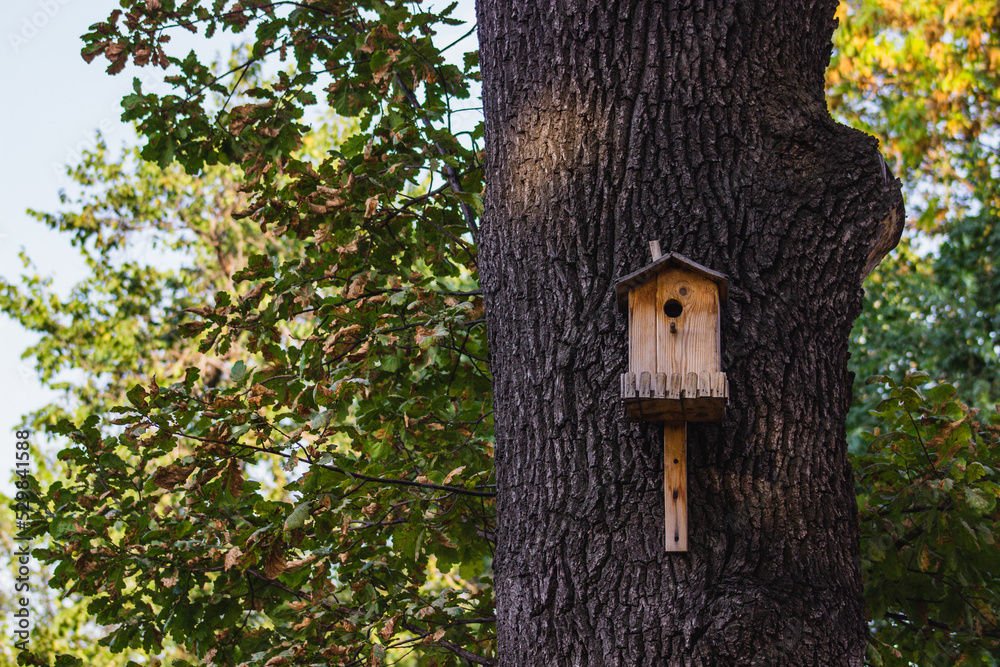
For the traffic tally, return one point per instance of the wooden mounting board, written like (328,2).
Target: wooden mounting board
(675,485)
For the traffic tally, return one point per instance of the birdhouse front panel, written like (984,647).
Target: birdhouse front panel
(687,324)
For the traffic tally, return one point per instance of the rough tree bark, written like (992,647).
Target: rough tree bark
(702,125)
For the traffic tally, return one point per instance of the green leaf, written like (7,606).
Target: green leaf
(378,449)
(320,421)
(975,471)
(298,517)
(137,396)
(238,371)
(978,501)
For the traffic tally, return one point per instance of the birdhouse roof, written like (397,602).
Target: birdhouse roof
(668,261)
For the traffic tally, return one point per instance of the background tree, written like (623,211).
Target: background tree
(935,311)
(922,77)
(351,350)
(62,624)
(156,241)
(927,494)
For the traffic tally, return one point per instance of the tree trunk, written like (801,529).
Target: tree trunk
(703,126)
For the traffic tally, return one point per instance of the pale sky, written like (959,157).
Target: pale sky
(53,104)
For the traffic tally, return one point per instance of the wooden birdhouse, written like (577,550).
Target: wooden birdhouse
(674,356)
(675,363)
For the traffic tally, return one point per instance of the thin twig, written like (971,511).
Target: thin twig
(449,172)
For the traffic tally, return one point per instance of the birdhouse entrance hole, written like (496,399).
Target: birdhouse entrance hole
(673,308)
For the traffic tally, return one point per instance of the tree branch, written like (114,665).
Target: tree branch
(449,172)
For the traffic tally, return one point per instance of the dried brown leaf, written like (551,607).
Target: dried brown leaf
(357,287)
(234,478)
(233,558)
(167,477)
(434,637)
(258,393)
(296,564)
(275,563)
(371,206)
(422,334)
(389,629)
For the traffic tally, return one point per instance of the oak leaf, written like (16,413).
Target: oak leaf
(371,206)
(167,477)
(234,478)
(451,475)
(275,563)
(389,629)
(233,558)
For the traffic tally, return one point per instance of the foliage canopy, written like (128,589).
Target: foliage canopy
(307,458)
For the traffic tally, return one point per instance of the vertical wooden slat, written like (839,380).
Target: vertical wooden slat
(675,485)
(644,381)
(660,391)
(642,328)
(719,386)
(628,385)
(691,385)
(676,386)
(705,384)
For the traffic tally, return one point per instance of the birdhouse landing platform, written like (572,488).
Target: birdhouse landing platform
(662,397)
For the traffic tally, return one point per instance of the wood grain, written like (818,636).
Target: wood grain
(642,329)
(695,345)
(675,485)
